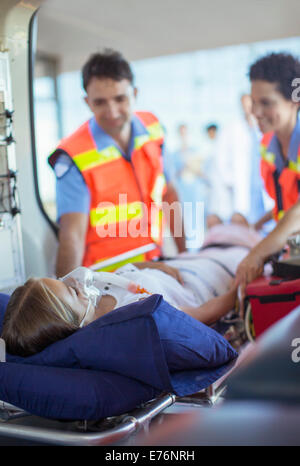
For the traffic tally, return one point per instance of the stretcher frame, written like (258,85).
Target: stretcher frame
(109,431)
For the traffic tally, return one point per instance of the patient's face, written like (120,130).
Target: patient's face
(71,295)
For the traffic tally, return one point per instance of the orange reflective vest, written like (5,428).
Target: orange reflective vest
(281,178)
(125,223)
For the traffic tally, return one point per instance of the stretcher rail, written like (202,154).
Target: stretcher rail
(130,424)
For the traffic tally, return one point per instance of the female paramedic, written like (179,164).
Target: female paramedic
(276,106)
(45,310)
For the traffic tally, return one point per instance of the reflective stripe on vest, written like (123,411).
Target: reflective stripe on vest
(93,158)
(267,156)
(280,214)
(295,166)
(158,188)
(155,132)
(111,214)
(134,255)
(156,213)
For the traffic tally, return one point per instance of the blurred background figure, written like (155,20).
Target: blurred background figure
(208,149)
(174,161)
(236,185)
(212,132)
(187,170)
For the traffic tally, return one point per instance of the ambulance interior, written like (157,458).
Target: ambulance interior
(43,46)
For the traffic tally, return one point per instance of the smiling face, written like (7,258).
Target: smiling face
(111,103)
(72,296)
(272,110)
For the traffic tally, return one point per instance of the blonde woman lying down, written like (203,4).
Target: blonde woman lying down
(45,310)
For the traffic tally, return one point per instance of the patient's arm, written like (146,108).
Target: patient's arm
(162,267)
(207,313)
(215,308)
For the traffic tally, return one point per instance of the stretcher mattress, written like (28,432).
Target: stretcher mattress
(118,361)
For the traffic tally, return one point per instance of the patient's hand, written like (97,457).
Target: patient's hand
(162,267)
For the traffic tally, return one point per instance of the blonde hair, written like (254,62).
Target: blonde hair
(35,318)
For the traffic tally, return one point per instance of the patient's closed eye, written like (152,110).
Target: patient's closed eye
(75,290)
(75,286)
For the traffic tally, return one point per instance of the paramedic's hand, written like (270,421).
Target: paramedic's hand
(249,269)
(163,267)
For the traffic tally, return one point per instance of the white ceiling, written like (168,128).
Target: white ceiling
(73,29)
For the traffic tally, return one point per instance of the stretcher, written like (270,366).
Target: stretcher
(18,427)
(76,392)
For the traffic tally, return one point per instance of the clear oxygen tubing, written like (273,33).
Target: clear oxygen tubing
(92,283)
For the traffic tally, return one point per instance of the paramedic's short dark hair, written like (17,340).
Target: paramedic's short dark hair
(109,64)
(279,68)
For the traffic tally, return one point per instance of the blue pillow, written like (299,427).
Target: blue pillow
(147,347)
(189,344)
(63,393)
(145,340)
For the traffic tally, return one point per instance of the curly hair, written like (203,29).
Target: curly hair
(109,64)
(278,68)
(35,318)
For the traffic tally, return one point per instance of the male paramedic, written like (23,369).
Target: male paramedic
(110,179)
(276,106)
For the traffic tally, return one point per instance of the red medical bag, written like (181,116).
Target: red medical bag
(271,298)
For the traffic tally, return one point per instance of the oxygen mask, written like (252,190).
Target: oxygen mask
(83,278)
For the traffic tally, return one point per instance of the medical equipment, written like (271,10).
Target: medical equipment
(270,299)
(294,245)
(12,271)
